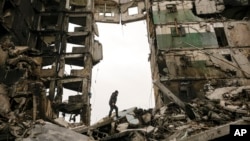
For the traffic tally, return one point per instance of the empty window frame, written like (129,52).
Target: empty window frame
(106,11)
(171,8)
(133,11)
(221,36)
(227,57)
(178,31)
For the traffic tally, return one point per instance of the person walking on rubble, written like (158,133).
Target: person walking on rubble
(112,103)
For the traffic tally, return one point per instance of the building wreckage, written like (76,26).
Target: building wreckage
(199,56)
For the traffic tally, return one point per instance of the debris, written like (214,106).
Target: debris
(121,127)
(62,122)
(132,120)
(147,118)
(171,122)
(50,131)
(175,99)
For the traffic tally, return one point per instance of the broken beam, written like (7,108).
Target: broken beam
(187,108)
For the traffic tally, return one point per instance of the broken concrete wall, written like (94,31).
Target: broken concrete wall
(107,11)
(119,11)
(215,6)
(194,50)
(237,33)
(34,43)
(132,11)
(164,12)
(11,15)
(185,36)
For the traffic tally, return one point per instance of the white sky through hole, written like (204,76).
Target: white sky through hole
(124,67)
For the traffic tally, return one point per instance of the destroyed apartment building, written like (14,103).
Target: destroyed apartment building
(199,56)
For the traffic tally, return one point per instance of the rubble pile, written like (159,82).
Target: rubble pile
(23,98)
(18,88)
(220,108)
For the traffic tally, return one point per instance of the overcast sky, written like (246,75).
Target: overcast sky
(124,67)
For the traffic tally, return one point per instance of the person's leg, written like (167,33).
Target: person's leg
(116,111)
(110,111)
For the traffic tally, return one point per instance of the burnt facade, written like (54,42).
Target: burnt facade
(37,45)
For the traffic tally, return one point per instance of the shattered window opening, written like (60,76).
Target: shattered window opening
(70,67)
(49,21)
(72,48)
(109,14)
(178,31)
(228,57)
(106,11)
(221,36)
(47,67)
(133,11)
(171,8)
(71,27)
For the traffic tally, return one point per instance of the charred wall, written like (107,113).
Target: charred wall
(36,46)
